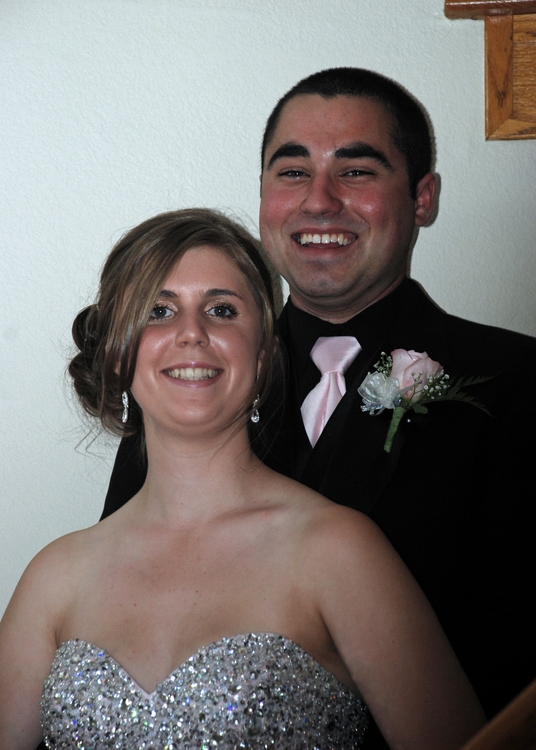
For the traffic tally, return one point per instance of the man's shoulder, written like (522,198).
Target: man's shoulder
(490,346)
(467,340)
(472,329)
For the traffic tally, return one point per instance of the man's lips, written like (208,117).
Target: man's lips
(324,238)
(192,373)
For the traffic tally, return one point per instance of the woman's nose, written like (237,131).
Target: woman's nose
(191,330)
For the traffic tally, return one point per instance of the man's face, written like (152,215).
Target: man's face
(336,215)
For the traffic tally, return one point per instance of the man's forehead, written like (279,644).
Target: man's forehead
(346,117)
(341,110)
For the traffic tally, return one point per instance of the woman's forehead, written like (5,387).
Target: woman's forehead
(207,265)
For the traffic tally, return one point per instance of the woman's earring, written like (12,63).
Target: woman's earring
(124,399)
(255,416)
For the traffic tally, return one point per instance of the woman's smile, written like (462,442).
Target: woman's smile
(203,335)
(192,373)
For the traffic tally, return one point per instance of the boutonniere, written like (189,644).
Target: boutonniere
(407,380)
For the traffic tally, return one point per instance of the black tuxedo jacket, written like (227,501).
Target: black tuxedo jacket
(455,496)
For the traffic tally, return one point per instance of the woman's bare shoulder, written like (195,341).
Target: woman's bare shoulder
(56,565)
(340,536)
(328,528)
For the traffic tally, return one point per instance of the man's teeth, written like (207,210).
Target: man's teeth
(192,373)
(323,239)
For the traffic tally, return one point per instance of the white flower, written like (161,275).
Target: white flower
(380,392)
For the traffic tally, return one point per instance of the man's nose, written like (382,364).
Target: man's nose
(191,330)
(322,198)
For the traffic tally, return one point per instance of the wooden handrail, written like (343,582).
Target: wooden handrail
(514,727)
(483,8)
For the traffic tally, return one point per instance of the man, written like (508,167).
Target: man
(346,180)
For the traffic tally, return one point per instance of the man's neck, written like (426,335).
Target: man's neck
(342,314)
(370,327)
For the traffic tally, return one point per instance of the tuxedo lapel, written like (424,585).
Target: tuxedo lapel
(349,464)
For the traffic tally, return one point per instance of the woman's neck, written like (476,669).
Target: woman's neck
(191,480)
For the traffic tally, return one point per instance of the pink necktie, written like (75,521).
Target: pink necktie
(332,355)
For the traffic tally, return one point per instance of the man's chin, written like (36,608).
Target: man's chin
(323,302)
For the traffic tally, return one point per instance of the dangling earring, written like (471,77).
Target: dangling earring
(255,416)
(124,399)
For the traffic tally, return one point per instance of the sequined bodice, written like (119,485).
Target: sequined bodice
(249,691)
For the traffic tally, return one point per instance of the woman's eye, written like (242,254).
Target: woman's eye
(160,312)
(222,311)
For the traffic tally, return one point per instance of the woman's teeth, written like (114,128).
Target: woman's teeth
(192,373)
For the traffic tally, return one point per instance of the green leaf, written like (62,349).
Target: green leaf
(456,394)
(420,408)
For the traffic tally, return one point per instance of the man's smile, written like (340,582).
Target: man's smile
(335,238)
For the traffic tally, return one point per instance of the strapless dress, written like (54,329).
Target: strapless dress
(249,691)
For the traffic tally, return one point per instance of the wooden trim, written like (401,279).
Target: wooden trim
(510,36)
(514,727)
(510,77)
(499,71)
(483,8)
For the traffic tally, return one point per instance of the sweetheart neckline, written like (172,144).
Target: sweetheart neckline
(200,651)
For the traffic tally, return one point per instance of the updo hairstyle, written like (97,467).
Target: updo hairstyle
(108,333)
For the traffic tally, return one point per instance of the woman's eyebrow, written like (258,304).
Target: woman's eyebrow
(215,292)
(221,292)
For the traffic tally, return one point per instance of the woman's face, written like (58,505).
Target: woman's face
(199,354)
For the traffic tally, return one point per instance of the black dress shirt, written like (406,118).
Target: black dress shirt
(369,327)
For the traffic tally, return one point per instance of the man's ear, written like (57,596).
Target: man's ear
(424,201)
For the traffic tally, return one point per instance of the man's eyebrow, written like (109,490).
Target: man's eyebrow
(360,150)
(287,149)
(168,294)
(357,150)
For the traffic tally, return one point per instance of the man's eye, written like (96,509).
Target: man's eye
(293,173)
(222,311)
(357,172)
(160,312)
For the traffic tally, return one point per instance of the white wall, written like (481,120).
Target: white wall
(114,110)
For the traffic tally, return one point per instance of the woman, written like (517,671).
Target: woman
(224,605)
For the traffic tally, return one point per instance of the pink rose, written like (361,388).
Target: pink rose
(409,366)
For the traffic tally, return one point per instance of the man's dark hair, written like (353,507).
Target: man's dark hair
(411,132)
